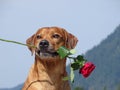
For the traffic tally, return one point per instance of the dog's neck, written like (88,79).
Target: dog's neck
(53,69)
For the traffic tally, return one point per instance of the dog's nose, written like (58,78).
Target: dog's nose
(44,44)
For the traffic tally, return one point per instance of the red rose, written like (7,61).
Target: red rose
(87,69)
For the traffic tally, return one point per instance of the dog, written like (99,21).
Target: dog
(49,69)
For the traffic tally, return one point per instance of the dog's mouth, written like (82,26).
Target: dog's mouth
(46,53)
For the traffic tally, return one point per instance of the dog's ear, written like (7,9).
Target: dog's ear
(30,43)
(70,40)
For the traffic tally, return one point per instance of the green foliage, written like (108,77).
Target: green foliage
(118,86)
(105,88)
(63,52)
(78,88)
(72,75)
(77,64)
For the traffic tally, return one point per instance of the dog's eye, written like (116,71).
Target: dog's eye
(38,37)
(56,36)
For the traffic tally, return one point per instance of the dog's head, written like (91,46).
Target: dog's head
(48,39)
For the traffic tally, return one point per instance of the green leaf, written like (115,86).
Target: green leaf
(75,65)
(80,58)
(82,63)
(73,51)
(72,75)
(63,52)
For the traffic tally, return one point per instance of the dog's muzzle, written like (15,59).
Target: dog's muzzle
(44,50)
(44,44)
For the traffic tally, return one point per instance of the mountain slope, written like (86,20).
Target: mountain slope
(106,57)
(19,87)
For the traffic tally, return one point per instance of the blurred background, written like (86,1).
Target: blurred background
(91,21)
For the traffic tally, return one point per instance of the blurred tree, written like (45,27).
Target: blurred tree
(79,88)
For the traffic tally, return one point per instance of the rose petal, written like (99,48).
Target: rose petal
(87,69)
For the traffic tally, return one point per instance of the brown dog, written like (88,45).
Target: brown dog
(48,71)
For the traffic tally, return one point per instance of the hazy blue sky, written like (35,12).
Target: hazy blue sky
(89,20)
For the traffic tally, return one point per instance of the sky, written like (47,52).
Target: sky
(89,20)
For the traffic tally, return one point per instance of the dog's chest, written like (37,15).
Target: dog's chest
(43,85)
